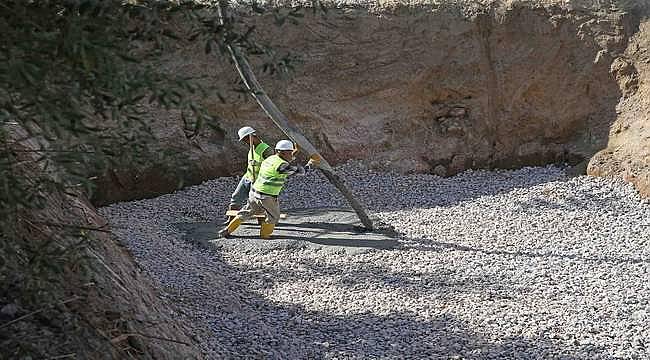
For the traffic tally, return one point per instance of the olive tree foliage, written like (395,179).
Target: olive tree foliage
(77,78)
(75,74)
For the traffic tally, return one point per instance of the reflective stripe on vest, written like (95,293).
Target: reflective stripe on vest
(270,180)
(255,159)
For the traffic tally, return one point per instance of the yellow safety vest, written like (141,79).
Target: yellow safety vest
(270,181)
(255,159)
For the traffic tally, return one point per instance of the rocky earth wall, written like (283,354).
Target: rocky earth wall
(423,91)
(628,152)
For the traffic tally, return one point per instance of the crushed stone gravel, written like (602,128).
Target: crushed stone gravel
(491,265)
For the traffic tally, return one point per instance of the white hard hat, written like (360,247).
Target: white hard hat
(245,131)
(284,145)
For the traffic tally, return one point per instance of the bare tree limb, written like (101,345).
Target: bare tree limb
(125,336)
(74,298)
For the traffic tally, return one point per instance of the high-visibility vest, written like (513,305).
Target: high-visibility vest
(255,159)
(270,181)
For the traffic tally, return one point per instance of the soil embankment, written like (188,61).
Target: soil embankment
(628,152)
(71,290)
(431,91)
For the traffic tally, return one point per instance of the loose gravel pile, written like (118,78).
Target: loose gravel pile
(491,265)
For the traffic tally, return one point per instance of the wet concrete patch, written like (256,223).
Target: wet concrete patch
(327,229)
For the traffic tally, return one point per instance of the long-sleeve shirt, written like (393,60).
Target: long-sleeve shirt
(287,168)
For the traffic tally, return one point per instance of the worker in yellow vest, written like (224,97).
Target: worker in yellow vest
(258,150)
(263,197)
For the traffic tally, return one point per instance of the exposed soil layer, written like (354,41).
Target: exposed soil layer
(628,152)
(429,91)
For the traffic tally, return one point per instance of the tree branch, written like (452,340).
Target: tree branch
(74,298)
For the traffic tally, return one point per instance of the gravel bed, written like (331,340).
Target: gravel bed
(492,265)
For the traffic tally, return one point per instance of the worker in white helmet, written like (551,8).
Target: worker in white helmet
(258,150)
(263,197)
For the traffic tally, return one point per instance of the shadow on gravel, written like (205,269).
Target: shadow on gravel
(568,202)
(438,246)
(289,332)
(244,324)
(396,336)
(261,328)
(363,275)
(359,243)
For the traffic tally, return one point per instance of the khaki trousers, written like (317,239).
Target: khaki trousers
(261,204)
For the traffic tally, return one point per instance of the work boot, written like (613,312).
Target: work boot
(223,233)
(266,230)
(232,226)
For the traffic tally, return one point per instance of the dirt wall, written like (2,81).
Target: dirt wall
(418,91)
(628,151)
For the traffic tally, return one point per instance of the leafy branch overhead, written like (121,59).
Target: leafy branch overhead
(81,75)
(78,81)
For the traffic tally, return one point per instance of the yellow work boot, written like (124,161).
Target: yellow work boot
(232,226)
(266,230)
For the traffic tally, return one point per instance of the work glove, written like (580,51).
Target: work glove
(314,161)
(300,170)
(295,150)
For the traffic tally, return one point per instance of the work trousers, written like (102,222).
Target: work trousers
(239,197)
(261,204)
